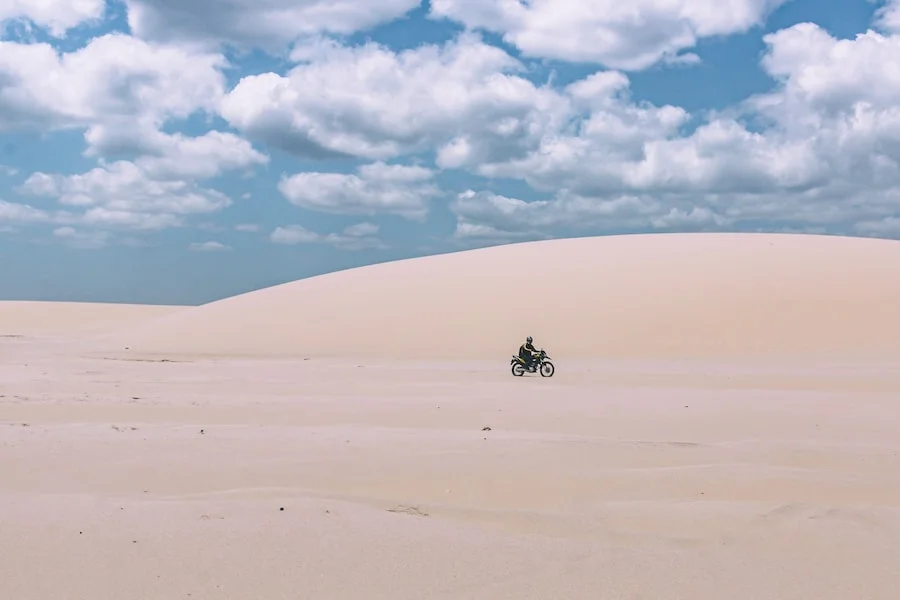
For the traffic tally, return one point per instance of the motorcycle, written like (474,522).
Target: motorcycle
(540,363)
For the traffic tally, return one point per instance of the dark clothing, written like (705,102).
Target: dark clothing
(526,353)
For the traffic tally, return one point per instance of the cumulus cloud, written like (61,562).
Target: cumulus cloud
(56,16)
(269,24)
(68,226)
(819,153)
(210,246)
(887,16)
(371,102)
(621,35)
(154,192)
(122,92)
(14,212)
(816,152)
(489,216)
(362,236)
(293,235)
(177,156)
(829,75)
(115,80)
(825,155)
(121,196)
(375,188)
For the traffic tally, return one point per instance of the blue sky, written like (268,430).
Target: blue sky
(154,153)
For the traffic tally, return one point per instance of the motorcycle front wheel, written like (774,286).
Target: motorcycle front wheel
(547,369)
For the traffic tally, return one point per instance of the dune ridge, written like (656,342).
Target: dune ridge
(654,295)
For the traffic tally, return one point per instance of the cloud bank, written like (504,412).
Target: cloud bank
(408,132)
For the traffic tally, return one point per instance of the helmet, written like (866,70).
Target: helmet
(528,339)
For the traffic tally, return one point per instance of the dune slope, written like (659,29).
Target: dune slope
(27,319)
(667,295)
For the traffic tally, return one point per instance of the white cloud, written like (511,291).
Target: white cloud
(269,24)
(371,102)
(153,192)
(67,226)
(115,82)
(13,212)
(887,16)
(611,133)
(293,235)
(828,75)
(122,91)
(827,156)
(362,236)
(204,157)
(247,227)
(621,35)
(817,152)
(210,246)
(375,188)
(122,196)
(56,16)
(485,215)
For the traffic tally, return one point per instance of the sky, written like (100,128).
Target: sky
(172,152)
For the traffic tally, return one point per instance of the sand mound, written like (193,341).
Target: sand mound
(27,319)
(668,295)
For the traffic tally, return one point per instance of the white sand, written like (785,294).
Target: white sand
(699,295)
(64,319)
(698,476)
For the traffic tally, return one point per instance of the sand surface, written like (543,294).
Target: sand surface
(637,296)
(126,474)
(66,319)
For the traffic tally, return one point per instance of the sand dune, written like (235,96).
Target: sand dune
(27,319)
(362,478)
(671,295)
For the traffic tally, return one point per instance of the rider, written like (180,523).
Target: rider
(527,352)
